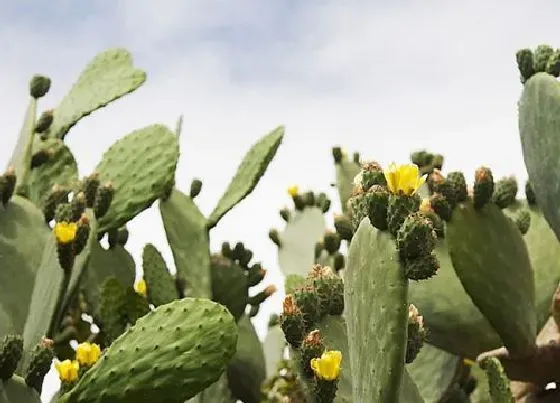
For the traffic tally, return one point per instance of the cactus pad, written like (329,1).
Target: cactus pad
(492,262)
(375,296)
(303,230)
(109,76)
(23,151)
(161,284)
(248,174)
(23,235)
(15,390)
(185,229)
(346,171)
(141,167)
(539,129)
(171,354)
(247,371)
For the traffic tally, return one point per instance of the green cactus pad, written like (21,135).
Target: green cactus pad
(455,324)
(346,171)
(48,294)
(140,166)
(23,151)
(375,297)
(247,370)
(303,230)
(185,229)
(171,354)
(15,390)
(61,168)
(544,251)
(109,76)
(160,283)
(434,371)
(274,345)
(23,235)
(102,264)
(539,129)
(497,381)
(248,174)
(492,262)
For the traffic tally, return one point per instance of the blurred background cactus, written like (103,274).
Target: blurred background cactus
(427,286)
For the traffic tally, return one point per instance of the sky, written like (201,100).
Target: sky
(382,78)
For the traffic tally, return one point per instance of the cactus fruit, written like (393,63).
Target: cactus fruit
(170,354)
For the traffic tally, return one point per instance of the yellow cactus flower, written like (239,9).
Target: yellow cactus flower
(67,370)
(404,179)
(293,190)
(328,366)
(88,353)
(65,232)
(141,288)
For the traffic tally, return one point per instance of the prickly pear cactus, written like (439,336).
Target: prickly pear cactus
(173,353)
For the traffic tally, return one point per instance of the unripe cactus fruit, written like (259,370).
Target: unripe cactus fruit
(103,199)
(44,122)
(530,194)
(459,185)
(7,185)
(416,334)
(399,207)
(483,187)
(329,289)
(523,221)
(311,347)
(40,364)
(525,64)
(441,207)
(196,187)
(505,192)
(90,184)
(422,267)
(307,300)
(10,354)
(372,174)
(39,86)
(416,237)
(292,322)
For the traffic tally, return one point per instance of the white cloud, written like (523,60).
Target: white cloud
(382,79)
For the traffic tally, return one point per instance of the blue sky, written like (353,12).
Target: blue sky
(382,79)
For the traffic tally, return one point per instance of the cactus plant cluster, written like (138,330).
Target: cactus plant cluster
(432,286)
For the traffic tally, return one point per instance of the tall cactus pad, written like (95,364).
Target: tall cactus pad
(303,230)
(539,127)
(23,151)
(544,251)
(161,284)
(492,262)
(346,170)
(185,229)
(375,296)
(171,354)
(15,390)
(109,76)
(61,169)
(248,174)
(23,235)
(141,167)
(247,370)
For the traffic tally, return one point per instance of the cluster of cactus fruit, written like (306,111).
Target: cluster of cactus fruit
(447,293)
